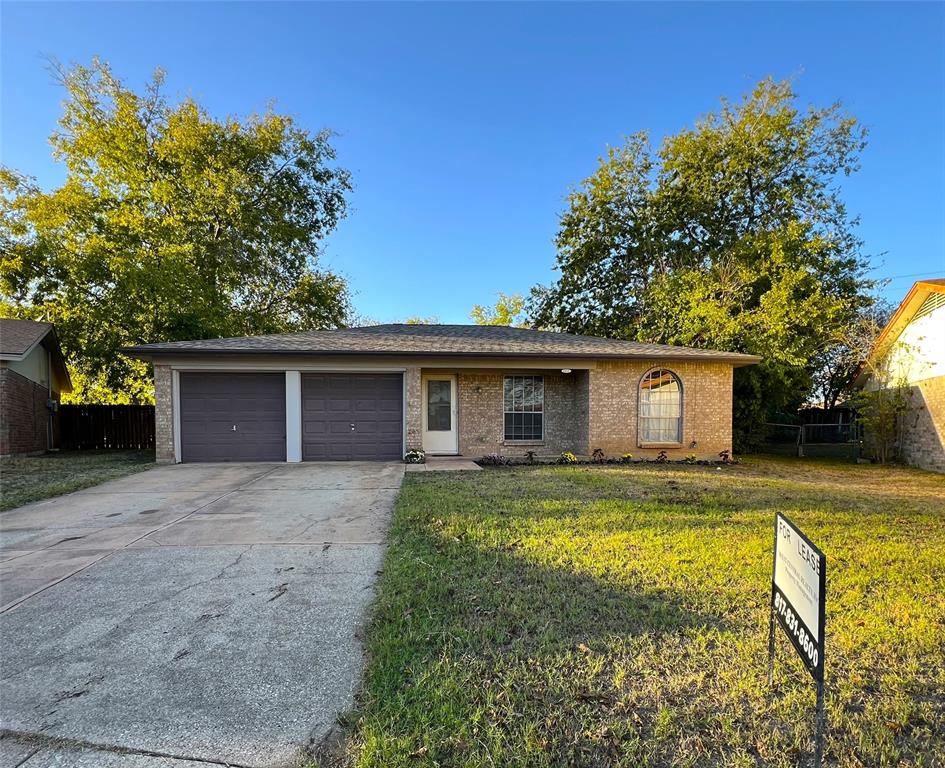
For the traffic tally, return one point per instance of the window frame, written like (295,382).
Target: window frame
(533,377)
(448,405)
(642,442)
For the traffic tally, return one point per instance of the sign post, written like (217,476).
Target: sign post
(798,602)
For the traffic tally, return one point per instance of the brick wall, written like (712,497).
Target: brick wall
(414,405)
(707,408)
(582,410)
(481,415)
(24,417)
(923,426)
(590,409)
(163,414)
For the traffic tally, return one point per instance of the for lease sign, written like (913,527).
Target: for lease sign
(797,592)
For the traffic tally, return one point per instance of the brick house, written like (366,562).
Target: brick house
(910,353)
(32,376)
(378,391)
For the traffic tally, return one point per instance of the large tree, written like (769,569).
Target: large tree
(732,234)
(509,310)
(170,224)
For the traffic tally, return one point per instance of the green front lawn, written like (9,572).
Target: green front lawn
(31,478)
(604,616)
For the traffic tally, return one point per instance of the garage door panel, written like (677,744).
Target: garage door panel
(212,403)
(360,449)
(332,402)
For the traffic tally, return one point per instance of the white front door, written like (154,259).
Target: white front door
(439,414)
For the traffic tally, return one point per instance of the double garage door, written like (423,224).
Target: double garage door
(242,416)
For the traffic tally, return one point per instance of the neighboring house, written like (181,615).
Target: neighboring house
(32,376)
(910,353)
(376,392)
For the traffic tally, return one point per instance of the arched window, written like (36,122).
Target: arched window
(660,407)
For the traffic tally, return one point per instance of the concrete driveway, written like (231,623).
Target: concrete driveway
(207,613)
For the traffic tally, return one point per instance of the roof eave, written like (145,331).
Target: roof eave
(149,353)
(903,316)
(60,360)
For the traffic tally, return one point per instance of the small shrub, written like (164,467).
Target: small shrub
(597,456)
(495,460)
(567,458)
(415,457)
(662,457)
(530,457)
(691,458)
(626,458)
(725,457)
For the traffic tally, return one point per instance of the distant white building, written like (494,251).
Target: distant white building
(910,352)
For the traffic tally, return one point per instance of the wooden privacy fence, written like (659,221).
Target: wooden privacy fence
(87,427)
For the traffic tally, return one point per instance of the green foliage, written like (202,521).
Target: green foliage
(170,225)
(508,310)
(879,413)
(731,236)
(885,397)
(417,320)
(567,458)
(842,359)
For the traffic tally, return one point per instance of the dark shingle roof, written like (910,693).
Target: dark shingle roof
(17,336)
(429,340)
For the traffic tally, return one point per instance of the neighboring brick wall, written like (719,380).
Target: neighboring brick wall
(707,408)
(24,417)
(414,405)
(481,419)
(163,414)
(923,426)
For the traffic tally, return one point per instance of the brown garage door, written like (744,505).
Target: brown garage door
(352,416)
(232,416)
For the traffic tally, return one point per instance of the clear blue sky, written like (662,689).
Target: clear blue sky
(465,124)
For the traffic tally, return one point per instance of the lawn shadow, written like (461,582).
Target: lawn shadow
(487,597)
(551,657)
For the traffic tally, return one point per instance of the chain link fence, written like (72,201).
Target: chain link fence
(839,441)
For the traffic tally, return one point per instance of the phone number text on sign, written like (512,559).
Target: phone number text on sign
(796,628)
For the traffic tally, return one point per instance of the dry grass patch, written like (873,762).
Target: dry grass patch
(24,479)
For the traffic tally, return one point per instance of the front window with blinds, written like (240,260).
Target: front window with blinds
(524,407)
(660,407)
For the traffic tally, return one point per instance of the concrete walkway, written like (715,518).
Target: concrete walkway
(188,615)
